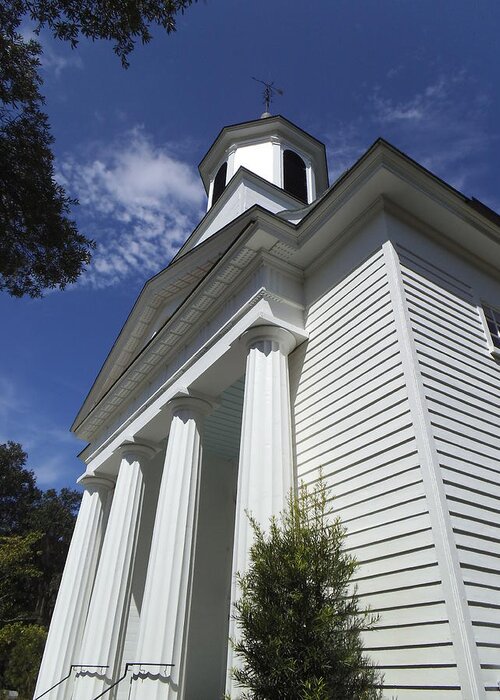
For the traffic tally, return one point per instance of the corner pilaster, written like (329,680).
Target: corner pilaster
(468,664)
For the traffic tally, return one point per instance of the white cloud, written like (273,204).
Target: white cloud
(140,202)
(11,404)
(51,60)
(51,471)
(50,449)
(420,107)
(56,62)
(345,145)
(437,126)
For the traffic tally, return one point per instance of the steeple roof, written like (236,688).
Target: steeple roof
(268,127)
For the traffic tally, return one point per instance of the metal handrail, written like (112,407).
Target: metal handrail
(69,674)
(127,666)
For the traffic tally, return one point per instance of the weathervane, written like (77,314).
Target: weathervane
(269,92)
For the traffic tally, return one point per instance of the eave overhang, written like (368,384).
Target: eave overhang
(386,174)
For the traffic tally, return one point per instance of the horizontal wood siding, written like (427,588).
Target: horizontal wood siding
(462,388)
(352,421)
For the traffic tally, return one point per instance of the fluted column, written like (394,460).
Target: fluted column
(265,472)
(104,628)
(68,619)
(165,607)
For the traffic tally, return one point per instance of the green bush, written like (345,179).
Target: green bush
(21,649)
(298,617)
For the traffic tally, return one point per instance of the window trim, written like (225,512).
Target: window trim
(485,306)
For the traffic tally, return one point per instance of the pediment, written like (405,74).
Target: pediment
(244,191)
(158,300)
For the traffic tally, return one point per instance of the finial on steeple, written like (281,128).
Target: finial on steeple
(268,94)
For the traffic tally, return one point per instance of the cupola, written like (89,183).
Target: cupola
(272,148)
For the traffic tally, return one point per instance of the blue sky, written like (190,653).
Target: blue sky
(424,74)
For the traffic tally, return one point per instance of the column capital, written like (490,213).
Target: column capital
(260,334)
(190,404)
(137,449)
(96,482)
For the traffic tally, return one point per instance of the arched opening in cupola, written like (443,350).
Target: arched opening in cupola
(294,175)
(219,182)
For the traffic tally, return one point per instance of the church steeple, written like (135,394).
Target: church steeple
(272,148)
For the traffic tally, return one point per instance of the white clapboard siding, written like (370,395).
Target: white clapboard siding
(346,291)
(476,576)
(395,513)
(482,614)
(482,595)
(443,676)
(372,298)
(412,614)
(422,576)
(364,539)
(385,602)
(481,482)
(491,655)
(397,636)
(351,355)
(352,423)
(421,694)
(462,384)
(363,374)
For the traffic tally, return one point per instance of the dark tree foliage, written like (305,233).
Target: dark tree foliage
(299,620)
(42,522)
(18,571)
(21,641)
(23,646)
(35,531)
(40,246)
(18,491)
(54,518)
(121,22)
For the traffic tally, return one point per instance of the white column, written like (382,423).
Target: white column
(165,609)
(102,639)
(68,619)
(265,472)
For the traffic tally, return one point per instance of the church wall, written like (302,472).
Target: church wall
(461,382)
(353,421)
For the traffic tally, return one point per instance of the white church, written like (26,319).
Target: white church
(351,328)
